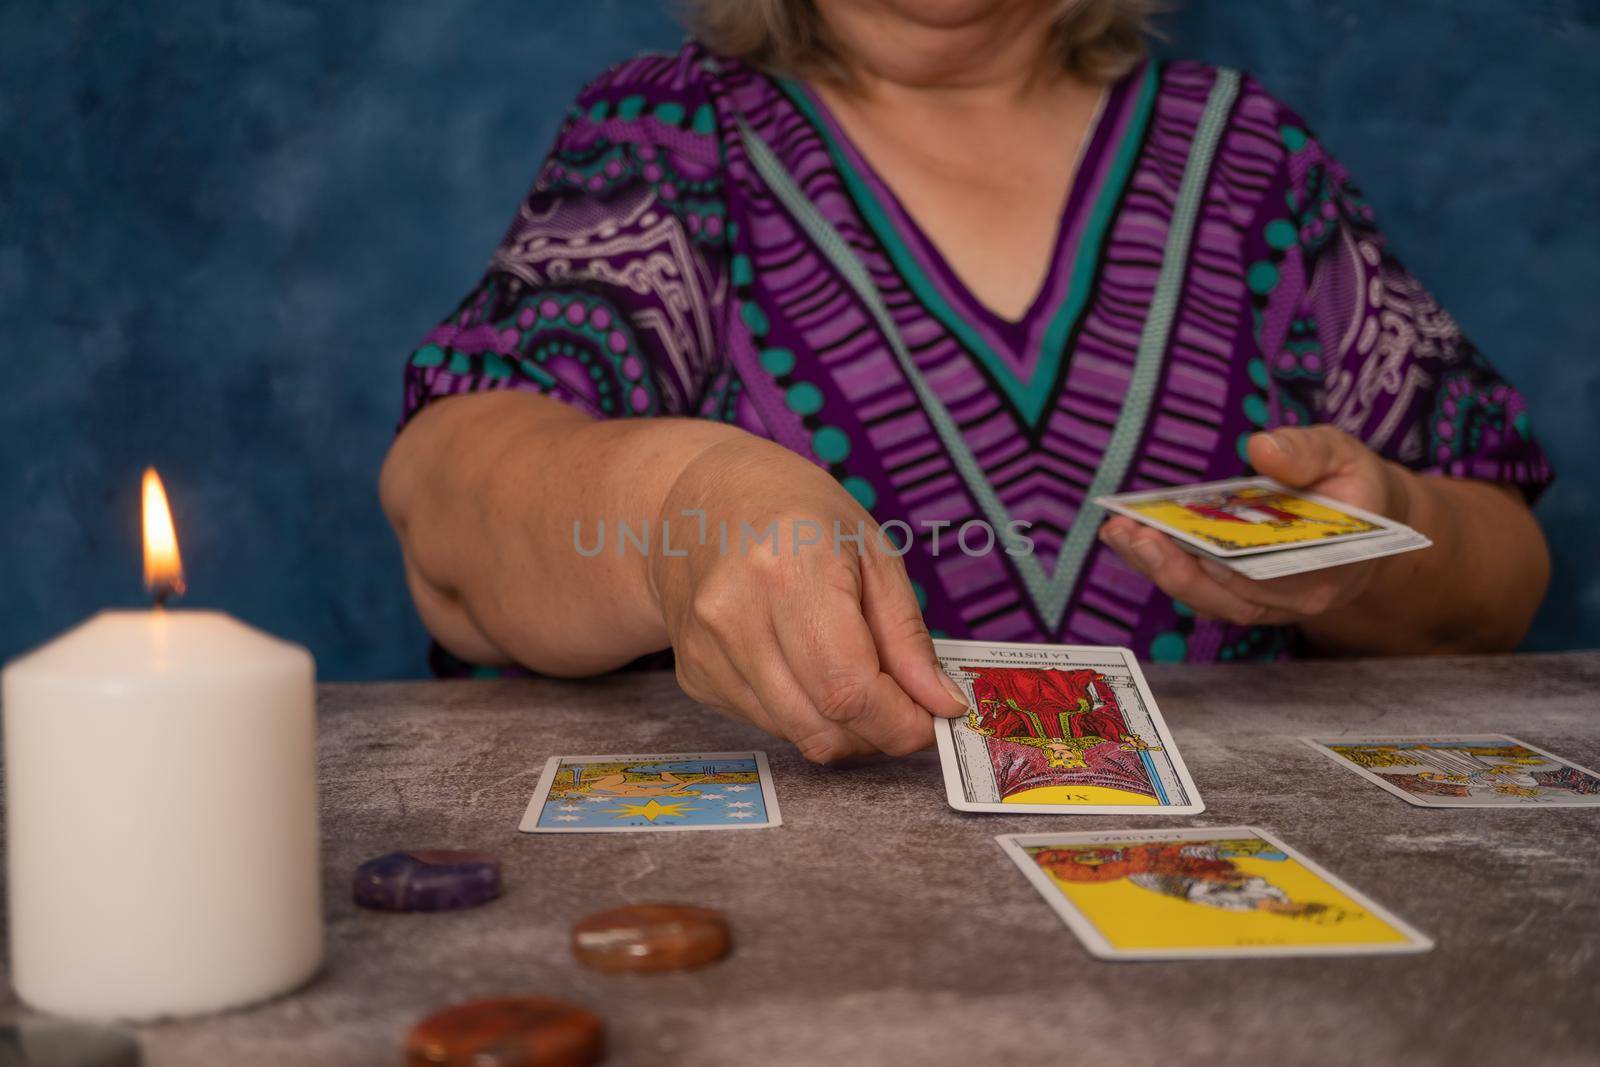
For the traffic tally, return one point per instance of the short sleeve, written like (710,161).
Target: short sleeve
(608,288)
(1352,339)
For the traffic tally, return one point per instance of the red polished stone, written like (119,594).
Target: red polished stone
(651,937)
(508,1032)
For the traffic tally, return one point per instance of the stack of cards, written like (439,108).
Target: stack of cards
(1263,530)
(1058,729)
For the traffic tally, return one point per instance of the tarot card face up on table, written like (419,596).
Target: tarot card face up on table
(1058,729)
(1264,530)
(1465,771)
(653,792)
(1200,894)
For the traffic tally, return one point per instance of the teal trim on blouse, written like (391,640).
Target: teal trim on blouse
(1049,592)
(1029,398)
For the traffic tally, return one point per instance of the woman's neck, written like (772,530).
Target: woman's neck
(1000,56)
(973,123)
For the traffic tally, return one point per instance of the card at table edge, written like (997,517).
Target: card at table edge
(1116,502)
(530,815)
(1096,944)
(1321,745)
(955,795)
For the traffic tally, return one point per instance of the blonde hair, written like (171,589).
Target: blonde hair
(1099,40)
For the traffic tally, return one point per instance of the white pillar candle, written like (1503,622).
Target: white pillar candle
(161,816)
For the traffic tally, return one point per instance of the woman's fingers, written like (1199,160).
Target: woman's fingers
(707,676)
(794,717)
(1304,595)
(905,649)
(1301,456)
(828,646)
(1179,575)
(1331,462)
(754,684)
(782,640)
(1215,591)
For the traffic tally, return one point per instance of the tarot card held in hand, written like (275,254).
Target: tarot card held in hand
(1465,771)
(684,791)
(1057,729)
(1246,515)
(1264,530)
(1200,894)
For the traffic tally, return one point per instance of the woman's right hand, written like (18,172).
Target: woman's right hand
(820,643)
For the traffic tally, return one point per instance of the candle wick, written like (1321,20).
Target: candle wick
(162,591)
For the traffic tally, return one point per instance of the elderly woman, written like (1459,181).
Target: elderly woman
(826,295)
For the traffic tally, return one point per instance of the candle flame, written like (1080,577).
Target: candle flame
(163,569)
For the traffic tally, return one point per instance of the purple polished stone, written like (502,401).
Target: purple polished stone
(427,880)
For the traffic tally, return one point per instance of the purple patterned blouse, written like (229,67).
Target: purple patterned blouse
(704,240)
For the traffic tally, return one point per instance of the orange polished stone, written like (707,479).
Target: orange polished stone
(651,937)
(508,1032)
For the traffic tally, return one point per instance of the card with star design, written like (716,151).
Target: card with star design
(651,792)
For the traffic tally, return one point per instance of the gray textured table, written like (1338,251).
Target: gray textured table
(877,926)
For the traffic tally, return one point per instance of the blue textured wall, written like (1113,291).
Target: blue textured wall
(222,225)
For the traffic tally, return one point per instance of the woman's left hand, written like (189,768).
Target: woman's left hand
(1318,458)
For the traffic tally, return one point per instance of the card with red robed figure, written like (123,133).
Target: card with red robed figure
(1058,729)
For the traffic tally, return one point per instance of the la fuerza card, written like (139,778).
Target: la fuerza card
(653,792)
(1058,729)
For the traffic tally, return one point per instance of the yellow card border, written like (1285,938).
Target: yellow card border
(1098,946)
(1118,502)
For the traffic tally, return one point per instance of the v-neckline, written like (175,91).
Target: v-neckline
(935,255)
(1025,356)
